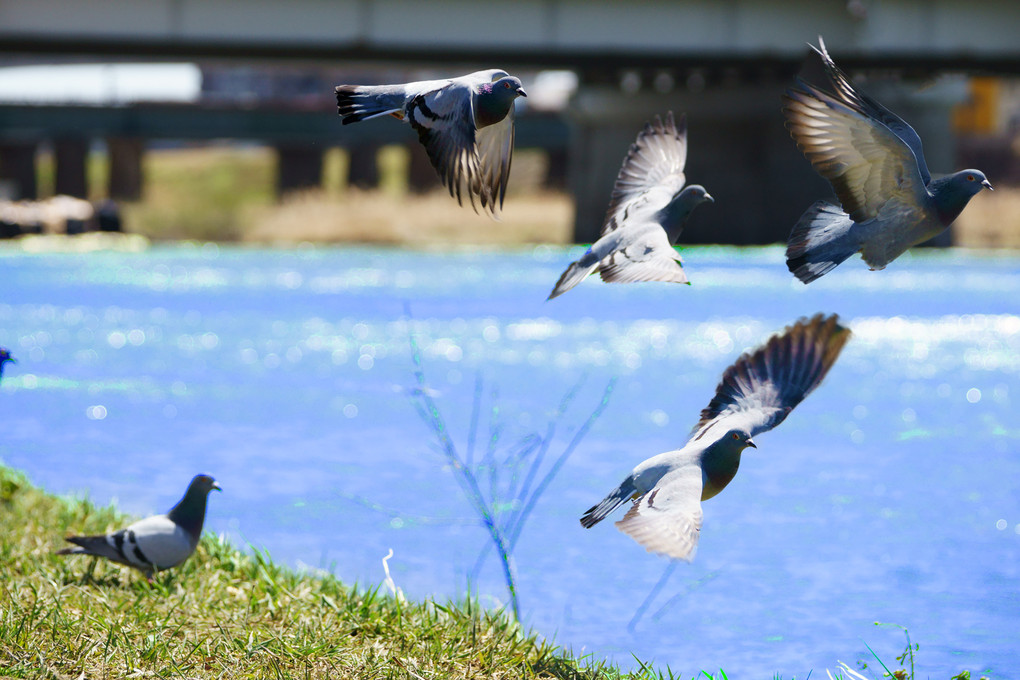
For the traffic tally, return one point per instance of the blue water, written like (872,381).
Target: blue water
(891,494)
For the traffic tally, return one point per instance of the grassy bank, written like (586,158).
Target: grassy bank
(225,614)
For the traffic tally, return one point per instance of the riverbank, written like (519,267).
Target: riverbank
(226,193)
(228,614)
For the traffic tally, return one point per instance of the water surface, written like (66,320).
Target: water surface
(891,494)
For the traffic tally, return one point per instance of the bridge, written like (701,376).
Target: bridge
(724,63)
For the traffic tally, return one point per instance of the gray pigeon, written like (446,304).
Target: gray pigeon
(5,357)
(646,214)
(874,161)
(466,124)
(755,395)
(154,543)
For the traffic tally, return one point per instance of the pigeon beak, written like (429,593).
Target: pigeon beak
(987,185)
(708,197)
(521,92)
(750,442)
(217,486)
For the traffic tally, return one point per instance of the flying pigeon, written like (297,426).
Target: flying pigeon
(5,356)
(646,214)
(154,543)
(755,394)
(466,124)
(874,161)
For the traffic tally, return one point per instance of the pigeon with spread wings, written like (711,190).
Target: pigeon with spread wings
(466,125)
(755,394)
(874,162)
(646,214)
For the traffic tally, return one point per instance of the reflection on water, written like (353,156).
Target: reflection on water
(890,495)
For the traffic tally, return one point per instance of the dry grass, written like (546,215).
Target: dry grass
(991,220)
(226,193)
(430,219)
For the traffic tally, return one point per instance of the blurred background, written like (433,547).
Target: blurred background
(214,120)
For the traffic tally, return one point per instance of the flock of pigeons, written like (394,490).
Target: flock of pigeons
(888,203)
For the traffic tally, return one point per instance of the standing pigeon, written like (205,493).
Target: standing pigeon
(5,357)
(466,124)
(154,543)
(646,214)
(755,395)
(874,161)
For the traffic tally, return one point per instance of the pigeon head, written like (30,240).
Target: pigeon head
(189,513)
(952,192)
(674,216)
(496,98)
(739,438)
(694,195)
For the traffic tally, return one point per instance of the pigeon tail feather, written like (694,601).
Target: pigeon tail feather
(822,238)
(355,103)
(92,545)
(574,274)
(615,499)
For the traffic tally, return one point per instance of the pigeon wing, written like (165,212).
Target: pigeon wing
(866,163)
(667,519)
(763,386)
(862,102)
(495,150)
(652,172)
(444,121)
(648,258)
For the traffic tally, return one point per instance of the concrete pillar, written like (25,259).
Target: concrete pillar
(362,166)
(738,149)
(299,166)
(557,170)
(71,154)
(17,170)
(421,176)
(126,174)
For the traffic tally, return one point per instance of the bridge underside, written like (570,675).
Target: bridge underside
(594,38)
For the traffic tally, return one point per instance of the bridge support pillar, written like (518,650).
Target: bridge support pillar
(71,155)
(421,176)
(739,150)
(299,166)
(363,167)
(557,171)
(17,171)
(126,175)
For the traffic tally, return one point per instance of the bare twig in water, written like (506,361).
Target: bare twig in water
(510,501)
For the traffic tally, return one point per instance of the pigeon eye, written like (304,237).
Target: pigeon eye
(970,178)
(735,435)
(506,85)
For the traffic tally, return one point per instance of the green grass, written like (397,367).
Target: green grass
(228,614)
